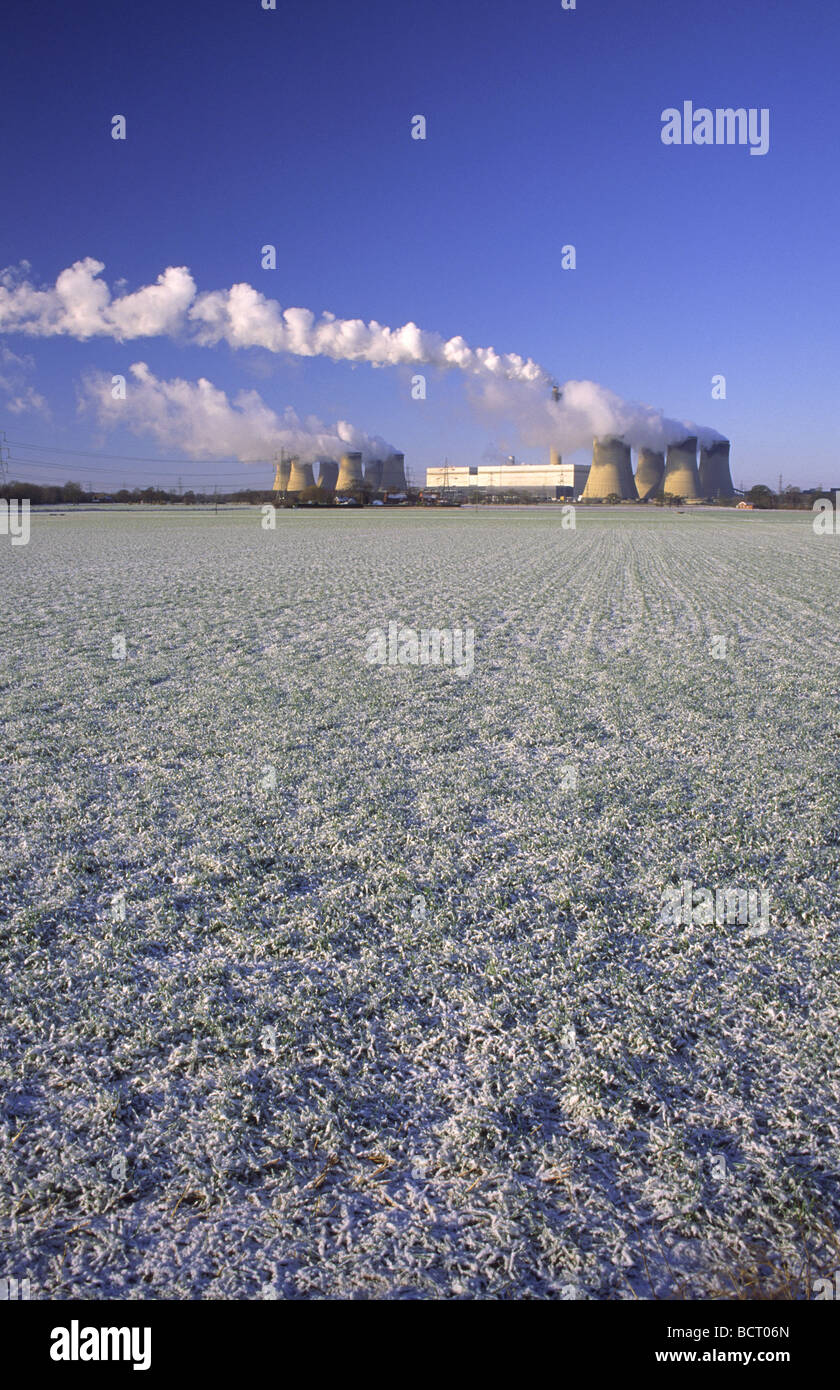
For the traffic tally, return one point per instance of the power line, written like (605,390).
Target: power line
(63,467)
(35,464)
(128,458)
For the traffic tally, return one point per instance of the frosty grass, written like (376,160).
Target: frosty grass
(401,1017)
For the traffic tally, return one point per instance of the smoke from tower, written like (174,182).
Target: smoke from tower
(504,385)
(198,418)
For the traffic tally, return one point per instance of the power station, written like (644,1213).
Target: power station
(673,473)
(669,473)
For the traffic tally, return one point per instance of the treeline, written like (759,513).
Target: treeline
(361,496)
(790,498)
(761,496)
(74,493)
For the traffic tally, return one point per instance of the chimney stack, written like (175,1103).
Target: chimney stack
(554,457)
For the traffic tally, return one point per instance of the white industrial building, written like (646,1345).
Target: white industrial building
(543,480)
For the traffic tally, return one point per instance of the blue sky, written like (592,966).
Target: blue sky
(292,127)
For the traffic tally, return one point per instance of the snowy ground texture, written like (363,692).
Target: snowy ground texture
(283,1075)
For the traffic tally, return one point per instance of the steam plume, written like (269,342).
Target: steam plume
(199,419)
(81,305)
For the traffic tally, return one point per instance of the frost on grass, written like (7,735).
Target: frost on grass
(404,1019)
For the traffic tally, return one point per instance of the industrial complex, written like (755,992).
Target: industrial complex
(684,469)
(674,472)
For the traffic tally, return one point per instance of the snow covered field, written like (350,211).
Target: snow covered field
(323,979)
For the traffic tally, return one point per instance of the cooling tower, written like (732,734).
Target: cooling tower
(393,473)
(650,468)
(681,476)
(300,476)
(349,473)
(281,474)
(611,471)
(327,475)
(715,477)
(373,474)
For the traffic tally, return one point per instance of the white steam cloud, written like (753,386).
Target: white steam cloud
(199,419)
(81,305)
(21,394)
(586,410)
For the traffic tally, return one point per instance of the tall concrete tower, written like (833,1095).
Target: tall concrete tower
(681,476)
(650,469)
(554,457)
(715,477)
(281,473)
(300,476)
(327,475)
(373,474)
(611,471)
(393,473)
(349,473)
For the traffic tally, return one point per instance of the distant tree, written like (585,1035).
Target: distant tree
(761,496)
(792,497)
(310,495)
(612,500)
(18,492)
(674,500)
(71,492)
